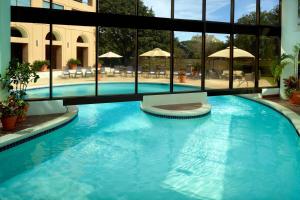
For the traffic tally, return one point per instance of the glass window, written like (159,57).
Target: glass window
(269,12)
(218,10)
(46,4)
(28,46)
(244,61)
(217,61)
(187,61)
(269,51)
(188,9)
(125,7)
(26,3)
(154,61)
(116,61)
(245,11)
(155,8)
(75,5)
(73,62)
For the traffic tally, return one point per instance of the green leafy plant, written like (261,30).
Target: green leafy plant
(279,65)
(73,61)
(18,76)
(38,64)
(9,107)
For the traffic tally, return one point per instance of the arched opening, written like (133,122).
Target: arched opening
(80,40)
(54,54)
(15,32)
(82,51)
(19,49)
(50,36)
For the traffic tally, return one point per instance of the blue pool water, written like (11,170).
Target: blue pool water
(242,150)
(105,89)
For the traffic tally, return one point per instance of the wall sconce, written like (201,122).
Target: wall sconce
(67,44)
(37,43)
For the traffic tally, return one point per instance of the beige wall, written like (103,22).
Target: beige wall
(34,35)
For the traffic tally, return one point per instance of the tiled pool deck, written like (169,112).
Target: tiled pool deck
(35,126)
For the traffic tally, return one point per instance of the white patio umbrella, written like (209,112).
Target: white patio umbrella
(237,53)
(157,52)
(110,55)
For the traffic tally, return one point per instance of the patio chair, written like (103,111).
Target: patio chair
(129,71)
(78,72)
(247,77)
(66,72)
(117,71)
(88,72)
(162,73)
(103,71)
(152,72)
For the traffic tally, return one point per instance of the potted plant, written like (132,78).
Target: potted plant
(40,65)
(182,76)
(9,113)
(73,63)
(23,108)
(18,76)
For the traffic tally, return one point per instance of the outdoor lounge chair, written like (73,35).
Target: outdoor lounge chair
(129,71)
(66,72)
(103,71)
(162,73)
(88,72)
(117,71)
(247,77)
(152,73)
(78,72)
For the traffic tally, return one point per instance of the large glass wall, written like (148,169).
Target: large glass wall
(244,61)
(116,61)
(188,9)
(269,12)
(269,52)
(245,11)
(142,51)
(187,61)
(73,60)
(218,10)
(154,61)
(217,59)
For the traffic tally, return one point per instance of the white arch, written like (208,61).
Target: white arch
(22,30)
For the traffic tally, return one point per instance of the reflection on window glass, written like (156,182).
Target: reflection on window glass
(31,51)
(269,12)
(116,56)
(188,9)
(244,61)
(187,61)
(218,10)
(217,54)
(154,61)
(73,60)
(269,51)
(26,3)
(46,4)
(245,11)
(157,8)
(125,7)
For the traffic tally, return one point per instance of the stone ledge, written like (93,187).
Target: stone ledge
(16,137)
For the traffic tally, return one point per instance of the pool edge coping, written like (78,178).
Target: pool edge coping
(292,116)
(10,140)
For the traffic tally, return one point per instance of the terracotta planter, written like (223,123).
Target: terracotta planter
(182,78)
(22,117)
(295,98)
(44,68)
(9,123)
(73,66)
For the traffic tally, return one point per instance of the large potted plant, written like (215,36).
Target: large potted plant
(40,65)
(9,111)
(73,63)
(182,76)
(16,80)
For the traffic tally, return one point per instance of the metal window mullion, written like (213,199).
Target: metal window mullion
(136,80)
(97,51)
(50,54)
(203,45)
(231,42)
(171,61)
